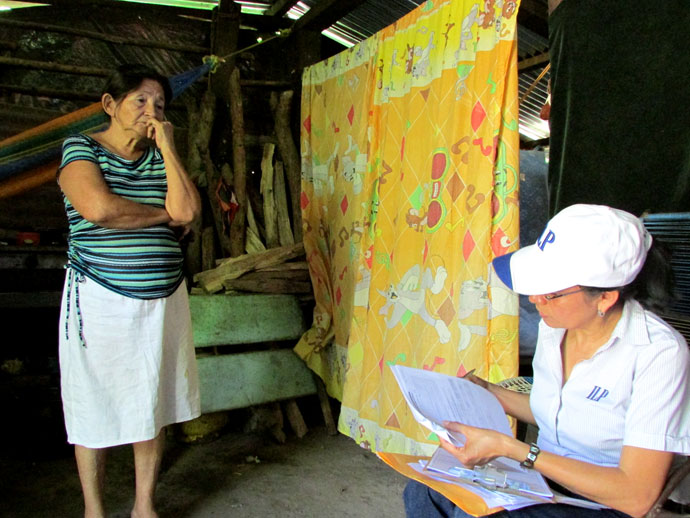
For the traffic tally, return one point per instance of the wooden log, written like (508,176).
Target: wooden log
(219,216)
(200,128)
(282,212)
(295,418)
(288,152)
(253,243)
(296,275)
(268,285)
(193,251)
(208,253)
(325,405)
(299,265)
(212,280)
(269,206)
(237,231)
(287,275)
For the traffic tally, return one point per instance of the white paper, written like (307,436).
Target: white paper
(491,498)
(435,398)
(501,474)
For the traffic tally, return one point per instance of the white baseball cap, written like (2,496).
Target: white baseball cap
(585,245)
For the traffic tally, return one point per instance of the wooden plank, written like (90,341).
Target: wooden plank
(235,381)
(245,319)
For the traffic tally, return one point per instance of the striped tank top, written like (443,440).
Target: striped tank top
(143,263)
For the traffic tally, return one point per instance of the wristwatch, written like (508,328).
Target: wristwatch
(531,456)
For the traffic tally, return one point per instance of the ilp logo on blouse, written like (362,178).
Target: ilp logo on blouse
(597,394)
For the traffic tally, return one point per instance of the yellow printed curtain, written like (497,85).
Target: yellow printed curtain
(409,148)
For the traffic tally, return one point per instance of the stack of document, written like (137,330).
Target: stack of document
(503,483)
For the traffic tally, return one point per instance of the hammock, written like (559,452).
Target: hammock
(31,158)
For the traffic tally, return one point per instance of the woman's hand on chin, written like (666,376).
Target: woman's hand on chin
(160,133)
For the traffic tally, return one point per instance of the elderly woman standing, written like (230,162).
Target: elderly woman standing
(126,354)
(611,393)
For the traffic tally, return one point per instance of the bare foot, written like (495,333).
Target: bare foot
(144,513)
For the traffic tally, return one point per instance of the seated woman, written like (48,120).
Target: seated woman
(611,394)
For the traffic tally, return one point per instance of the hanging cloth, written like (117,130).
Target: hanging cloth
(410,148)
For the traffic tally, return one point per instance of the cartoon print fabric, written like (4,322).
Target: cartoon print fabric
(410,150)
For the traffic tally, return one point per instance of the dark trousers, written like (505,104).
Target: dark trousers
(423,502)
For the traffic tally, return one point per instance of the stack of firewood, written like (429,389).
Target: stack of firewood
(273,259)
(272,263)
(269,271)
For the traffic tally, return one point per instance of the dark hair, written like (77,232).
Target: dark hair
(127,78)
(654,286)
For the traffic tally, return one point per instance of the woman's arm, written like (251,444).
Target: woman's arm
(82,183)
(182,201)
(514,403)
(631,487)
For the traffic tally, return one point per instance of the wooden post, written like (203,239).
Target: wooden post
(225,32)
(270,221)
(282,211)
(237,231)
(288,151)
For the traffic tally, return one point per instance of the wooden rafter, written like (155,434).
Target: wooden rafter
(279,8)
(325,13)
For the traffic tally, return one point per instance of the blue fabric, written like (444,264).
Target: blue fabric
(423,502)
(180,82)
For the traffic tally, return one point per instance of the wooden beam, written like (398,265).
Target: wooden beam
(239,163)
(54,67)
(102,37)
(279,8)
(533,61)
(325,13)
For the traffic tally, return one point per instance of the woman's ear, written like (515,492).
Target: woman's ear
(108,103)
(608,300)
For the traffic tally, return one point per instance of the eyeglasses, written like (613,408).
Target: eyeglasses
(557,295)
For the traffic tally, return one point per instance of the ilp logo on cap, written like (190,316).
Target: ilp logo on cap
(544,240)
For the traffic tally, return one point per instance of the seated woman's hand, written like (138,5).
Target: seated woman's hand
(477,381)
(481,445)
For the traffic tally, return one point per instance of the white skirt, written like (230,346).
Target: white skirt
(131,371)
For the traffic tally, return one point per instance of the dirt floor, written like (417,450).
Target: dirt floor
(235,475)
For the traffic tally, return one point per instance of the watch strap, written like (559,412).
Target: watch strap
(531,456)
